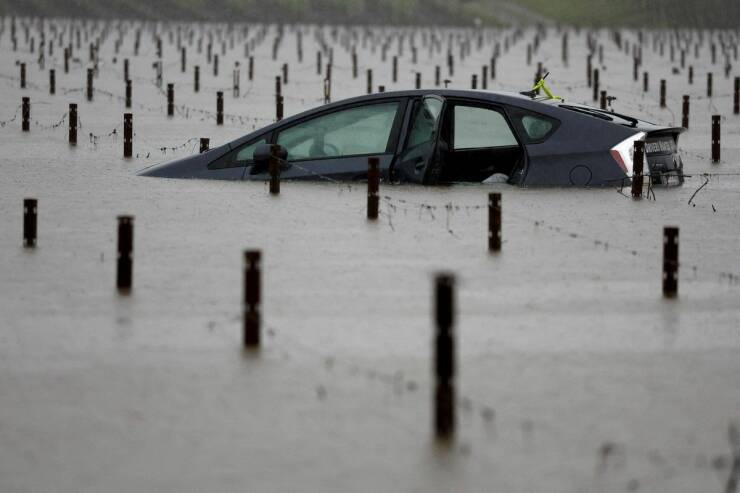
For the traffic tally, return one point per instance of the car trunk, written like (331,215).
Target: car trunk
(663,160)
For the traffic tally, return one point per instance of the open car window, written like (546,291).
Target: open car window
(355,131)
(238,158)
(480,128)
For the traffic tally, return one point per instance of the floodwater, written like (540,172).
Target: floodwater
(573,375)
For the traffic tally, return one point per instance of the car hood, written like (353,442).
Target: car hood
(195,166)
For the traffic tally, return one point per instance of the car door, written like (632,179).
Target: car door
(420,149)
(335,145)
(479,142)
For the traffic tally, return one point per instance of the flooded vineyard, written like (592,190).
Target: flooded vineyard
(572,372)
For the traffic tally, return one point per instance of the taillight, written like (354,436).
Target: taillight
(624,153)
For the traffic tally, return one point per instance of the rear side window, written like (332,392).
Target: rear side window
(481,128)
(238,158)
(534,128)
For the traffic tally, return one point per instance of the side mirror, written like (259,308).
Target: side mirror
(262,154)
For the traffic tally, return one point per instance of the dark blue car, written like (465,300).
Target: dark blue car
(446,136)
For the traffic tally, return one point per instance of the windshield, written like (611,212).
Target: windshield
(354,131)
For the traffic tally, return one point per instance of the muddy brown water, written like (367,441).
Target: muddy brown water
(574,374)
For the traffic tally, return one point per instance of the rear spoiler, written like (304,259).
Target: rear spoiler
(660,131)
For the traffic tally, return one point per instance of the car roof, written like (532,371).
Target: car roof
(547,107)
(497,96)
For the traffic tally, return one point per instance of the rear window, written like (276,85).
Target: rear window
(534,128)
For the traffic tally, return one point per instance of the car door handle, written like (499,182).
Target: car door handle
(418,162)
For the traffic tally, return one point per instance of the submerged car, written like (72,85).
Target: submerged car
(446,136)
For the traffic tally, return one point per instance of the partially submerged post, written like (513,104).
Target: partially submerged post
(23,75)
(73,124)
(26,114)
(670,262)
(204,144)
(30,212)
(494,222)
(125,258)
(662,93)
(716,135)
(236,84)
(170,99)
(327,91)
(128,135)
(252,298)
(596,84)
(279,107)
(638,169)
(685,112)
(444,358)
(736,97)
(635,68)
(373,187)
(128,94)
(52,82)
(90,74)
(274,169)
(219,108)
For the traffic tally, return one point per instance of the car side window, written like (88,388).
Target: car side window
(355,131)
(479,128)
(533,128)
(238,158)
